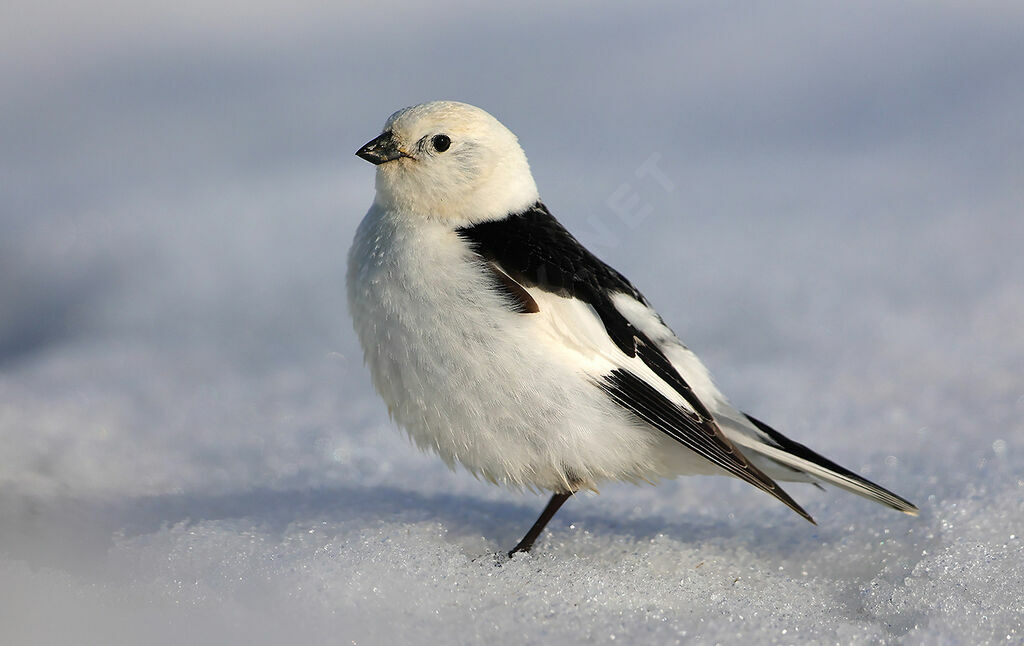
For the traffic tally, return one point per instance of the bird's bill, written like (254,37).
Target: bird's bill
(382,150)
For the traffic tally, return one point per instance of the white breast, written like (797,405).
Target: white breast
(500,392)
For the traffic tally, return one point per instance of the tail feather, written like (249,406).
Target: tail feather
(795,455)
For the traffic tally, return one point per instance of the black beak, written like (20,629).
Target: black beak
(381,150)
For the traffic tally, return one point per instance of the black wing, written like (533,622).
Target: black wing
(834,473)
(533,249)
(702,437)
(519,300)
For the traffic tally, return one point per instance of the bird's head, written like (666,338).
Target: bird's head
(450,161)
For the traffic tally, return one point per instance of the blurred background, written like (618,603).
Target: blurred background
(835,227)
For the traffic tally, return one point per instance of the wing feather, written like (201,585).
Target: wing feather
(536,253)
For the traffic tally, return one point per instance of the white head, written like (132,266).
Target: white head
(450,161)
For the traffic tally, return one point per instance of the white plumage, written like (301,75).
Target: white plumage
(501,344)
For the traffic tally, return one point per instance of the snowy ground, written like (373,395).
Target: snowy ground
(192,452)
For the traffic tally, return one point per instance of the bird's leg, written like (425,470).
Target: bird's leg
(556,501)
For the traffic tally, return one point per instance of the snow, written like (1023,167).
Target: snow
(192,451)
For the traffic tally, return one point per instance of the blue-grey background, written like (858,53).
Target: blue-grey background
(191,452)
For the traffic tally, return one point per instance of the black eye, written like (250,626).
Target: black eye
(441,142)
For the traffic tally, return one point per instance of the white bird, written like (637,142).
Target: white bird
(501,343)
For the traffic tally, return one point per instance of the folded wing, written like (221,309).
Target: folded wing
(533,251)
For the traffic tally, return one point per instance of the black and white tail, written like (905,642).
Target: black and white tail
(796,456)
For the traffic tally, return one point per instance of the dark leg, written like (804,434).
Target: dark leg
(556,501)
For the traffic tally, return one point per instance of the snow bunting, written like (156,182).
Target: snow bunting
(501,343)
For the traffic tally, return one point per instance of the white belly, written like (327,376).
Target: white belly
(474,381)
